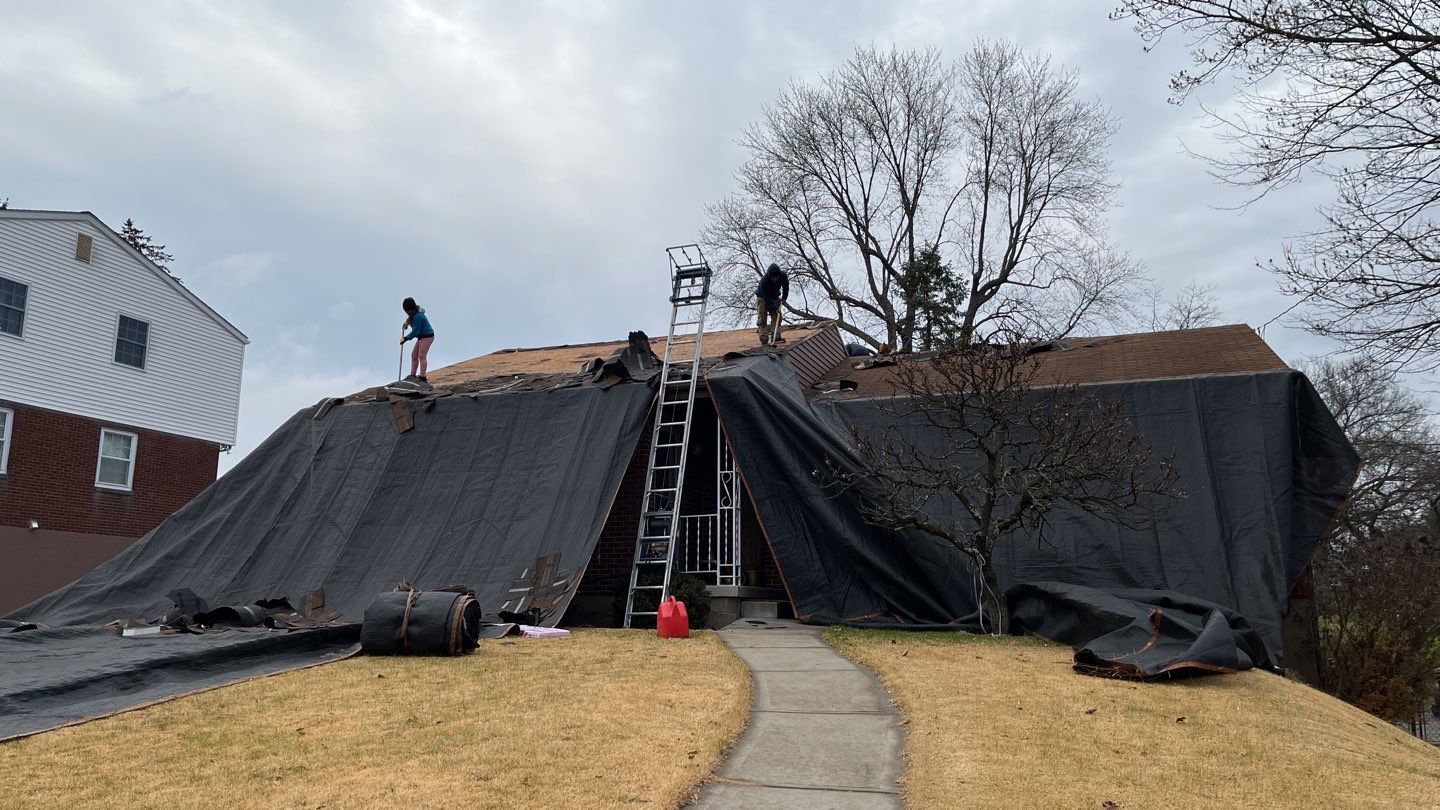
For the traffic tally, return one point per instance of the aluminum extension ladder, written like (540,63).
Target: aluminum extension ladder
(670,435)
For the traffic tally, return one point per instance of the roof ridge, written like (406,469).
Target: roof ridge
(522,349)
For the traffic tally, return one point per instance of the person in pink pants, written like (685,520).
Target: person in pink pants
(418,324)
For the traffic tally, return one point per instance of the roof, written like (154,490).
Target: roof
(569,358)
(1233,349)
(160,272)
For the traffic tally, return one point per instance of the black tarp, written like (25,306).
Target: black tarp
(505,494)
(836,567)
(1138,634)
(409,622)
(1263,461)
(56,676)
(480,489)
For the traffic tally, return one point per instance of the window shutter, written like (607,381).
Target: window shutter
(82,247)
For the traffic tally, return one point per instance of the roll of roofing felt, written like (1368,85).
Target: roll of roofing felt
(420,623)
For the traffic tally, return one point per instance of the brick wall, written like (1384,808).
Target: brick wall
(616,549)
(51,475)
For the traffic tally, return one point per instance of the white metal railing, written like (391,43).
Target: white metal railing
(708,546)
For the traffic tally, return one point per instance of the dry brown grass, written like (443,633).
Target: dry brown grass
(1000,723)
(605,718)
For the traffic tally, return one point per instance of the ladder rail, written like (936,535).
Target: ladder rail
(689,306)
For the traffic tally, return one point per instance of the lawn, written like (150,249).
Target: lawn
(1007,723)
(605,718)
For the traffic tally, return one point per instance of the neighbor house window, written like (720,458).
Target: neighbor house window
(12,306)
(131,339)
(116,469)
(7,418)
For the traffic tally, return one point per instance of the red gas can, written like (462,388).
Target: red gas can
(673,621)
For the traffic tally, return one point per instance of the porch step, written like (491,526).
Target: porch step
(759,609)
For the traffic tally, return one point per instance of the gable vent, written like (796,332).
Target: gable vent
(82,247)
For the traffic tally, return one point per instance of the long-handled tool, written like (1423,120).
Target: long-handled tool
(775,322)
(400,369)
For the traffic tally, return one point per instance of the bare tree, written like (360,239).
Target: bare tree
(1396,436)
(1349,89)
(979,451)
(996,163)
(1191,308)
(1377,574)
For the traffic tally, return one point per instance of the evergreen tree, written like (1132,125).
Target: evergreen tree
(144,243)
(933,297)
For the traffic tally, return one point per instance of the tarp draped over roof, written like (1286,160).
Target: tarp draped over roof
(505,494)
(350,504)
(836,566)
(1265,464)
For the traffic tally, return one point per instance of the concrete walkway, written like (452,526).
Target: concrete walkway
(823,732)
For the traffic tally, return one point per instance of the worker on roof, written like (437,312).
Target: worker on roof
(424,335)
(769,296)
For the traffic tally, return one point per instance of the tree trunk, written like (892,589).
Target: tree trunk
(995,608)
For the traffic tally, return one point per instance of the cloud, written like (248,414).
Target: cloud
(273,393)
(239,270)
(517,168)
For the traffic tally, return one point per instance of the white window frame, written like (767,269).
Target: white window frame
(23,311)
(115,343)
(5,432)
(130,472)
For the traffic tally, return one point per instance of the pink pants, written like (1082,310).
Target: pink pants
(419,356)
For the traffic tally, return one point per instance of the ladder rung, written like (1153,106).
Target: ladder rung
(675,444)
(666,467)
(643,613)
(648,587)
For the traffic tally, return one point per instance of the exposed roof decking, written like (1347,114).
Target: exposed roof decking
(1233,349)
(568,359)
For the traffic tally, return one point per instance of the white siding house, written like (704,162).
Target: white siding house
(114,337)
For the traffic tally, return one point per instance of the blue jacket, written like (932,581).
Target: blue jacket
(773,291)
(420,326)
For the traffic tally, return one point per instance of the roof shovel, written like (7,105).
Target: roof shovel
(400,369)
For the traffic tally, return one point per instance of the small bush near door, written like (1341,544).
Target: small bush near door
(690,590)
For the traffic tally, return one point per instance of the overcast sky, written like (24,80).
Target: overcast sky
(518,168)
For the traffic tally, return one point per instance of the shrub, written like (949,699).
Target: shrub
(690,590)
